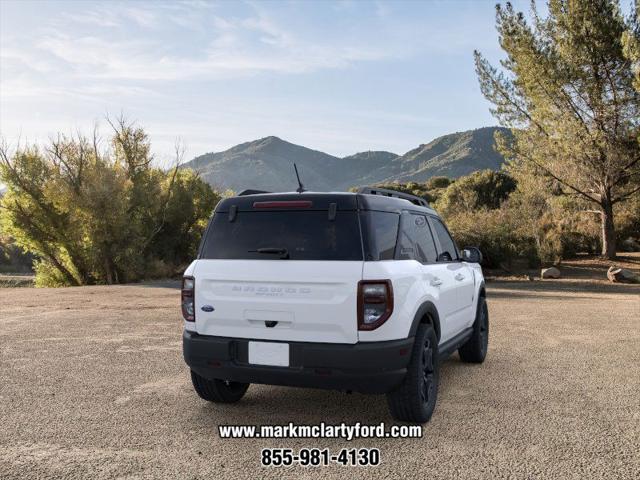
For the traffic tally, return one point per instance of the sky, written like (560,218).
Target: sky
(340,77)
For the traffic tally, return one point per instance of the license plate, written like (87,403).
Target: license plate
(268,353)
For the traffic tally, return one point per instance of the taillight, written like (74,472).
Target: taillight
(188,299)
(375,303)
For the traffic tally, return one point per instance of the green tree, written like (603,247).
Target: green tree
(481,189)
(93,216)
(566,89)
(437,182)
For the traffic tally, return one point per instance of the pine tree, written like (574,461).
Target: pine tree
(566,89)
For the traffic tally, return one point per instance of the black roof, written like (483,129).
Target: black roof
(321,201)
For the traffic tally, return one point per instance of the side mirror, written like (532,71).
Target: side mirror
(471,255)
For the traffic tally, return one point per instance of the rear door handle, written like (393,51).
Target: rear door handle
(459,277)
(436,282)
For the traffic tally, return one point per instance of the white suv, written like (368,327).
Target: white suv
(361,292)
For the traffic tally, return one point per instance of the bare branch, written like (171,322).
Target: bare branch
(625,196)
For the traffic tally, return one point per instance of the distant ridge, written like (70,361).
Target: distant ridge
(266,163)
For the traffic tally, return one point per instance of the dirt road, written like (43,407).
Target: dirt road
(92,385)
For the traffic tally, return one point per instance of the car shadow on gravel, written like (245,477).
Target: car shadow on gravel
(520,295)
(276,405)
(561,287)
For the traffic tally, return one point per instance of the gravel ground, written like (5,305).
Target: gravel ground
(92,385)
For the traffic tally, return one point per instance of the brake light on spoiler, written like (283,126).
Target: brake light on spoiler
(284,204)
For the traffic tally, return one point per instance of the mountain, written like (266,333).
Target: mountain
(370,159)
(267,163)
(452,156)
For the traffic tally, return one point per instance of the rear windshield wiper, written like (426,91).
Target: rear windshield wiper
(283,252)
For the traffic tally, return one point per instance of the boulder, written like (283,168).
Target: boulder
(631,245)
(551,272)
(622,275)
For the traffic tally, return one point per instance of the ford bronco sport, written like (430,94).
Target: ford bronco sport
(361,292)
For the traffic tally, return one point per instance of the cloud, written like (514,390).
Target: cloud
(184,41)
(234,46)
(111,16)
(177,63)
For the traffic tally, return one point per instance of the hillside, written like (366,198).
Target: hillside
(267,163)
(452,156)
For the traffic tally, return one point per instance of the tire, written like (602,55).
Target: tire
(475,349)
(218,391)
(415,399)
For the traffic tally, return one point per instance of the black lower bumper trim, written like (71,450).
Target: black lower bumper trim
(375,367)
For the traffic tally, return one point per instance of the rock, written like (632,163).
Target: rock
(622,275)
(551,272)
(630,245)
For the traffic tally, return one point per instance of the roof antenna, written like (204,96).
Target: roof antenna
(300,188)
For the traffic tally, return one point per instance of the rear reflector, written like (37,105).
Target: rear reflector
(284,204)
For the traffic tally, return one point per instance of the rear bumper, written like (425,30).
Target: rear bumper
(375,367)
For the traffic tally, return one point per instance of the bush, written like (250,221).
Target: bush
(102,217)
(435,183)
(495,234)
(482,189)
(47,276)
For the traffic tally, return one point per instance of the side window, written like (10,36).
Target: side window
(447,246)
(416,242)
(380,234)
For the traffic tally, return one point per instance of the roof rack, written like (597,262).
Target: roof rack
(393,193)
(251,192)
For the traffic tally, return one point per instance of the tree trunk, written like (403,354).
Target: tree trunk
(608,230)
(68,276)
(107,271)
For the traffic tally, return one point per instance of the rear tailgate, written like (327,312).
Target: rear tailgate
(281,267)
(288,300)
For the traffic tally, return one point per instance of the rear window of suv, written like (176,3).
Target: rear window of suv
(303,235)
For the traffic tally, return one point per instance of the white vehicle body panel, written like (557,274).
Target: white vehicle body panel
(478,282)
(311,301)
(415,284)
(408,291)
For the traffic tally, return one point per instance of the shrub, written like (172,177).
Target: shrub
(495,234)
(482,189)
(102,217)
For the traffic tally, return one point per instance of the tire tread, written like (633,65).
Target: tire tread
(214,390)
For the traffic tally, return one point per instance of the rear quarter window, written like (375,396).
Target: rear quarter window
(305,235)
(380,231)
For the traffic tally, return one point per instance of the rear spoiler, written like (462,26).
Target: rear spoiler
(251,192)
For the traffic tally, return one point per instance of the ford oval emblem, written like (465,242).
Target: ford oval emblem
(207,308)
